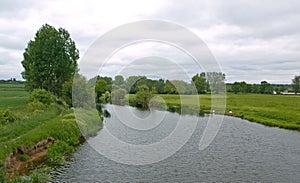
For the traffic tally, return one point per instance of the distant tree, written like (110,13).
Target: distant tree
(159,85)
(143,96)
(118,96)
(50,59)
(100,89)
(108,80)
(216,81)
(200,83)
(240,87)
(82,93)
(180,86)
(170,88)
(119,80)
(236,88)
(132,83)
(266,88)
(296,84)
(255,88)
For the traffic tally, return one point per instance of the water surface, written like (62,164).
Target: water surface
(241,152)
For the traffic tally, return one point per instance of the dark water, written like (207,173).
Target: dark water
(241,152)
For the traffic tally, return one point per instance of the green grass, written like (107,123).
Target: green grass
(12,95)
(273,110)
(56,121)
(12,86)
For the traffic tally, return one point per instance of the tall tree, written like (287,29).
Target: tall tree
(50,59)
(216,81)
(200,82)
(296,84)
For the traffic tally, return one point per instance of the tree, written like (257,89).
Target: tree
(50,59)
(240,87)
(216,81)
(82,93)
(119,80)
(170,88)
(266,88)
(180,86)
(143,97)
(200,83)
(296,84)
(118,96)
(100,88)
(132,83)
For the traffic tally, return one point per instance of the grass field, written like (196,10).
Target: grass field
(12,95)
(272,110)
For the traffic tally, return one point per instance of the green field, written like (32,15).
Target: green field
(12,95)
(272,110)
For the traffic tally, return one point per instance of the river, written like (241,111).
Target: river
(242,151)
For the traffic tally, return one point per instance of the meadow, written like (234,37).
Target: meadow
(12,95)
(272,110)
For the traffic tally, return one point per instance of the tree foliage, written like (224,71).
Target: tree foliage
(266,88)
(296,84)
(118,96)
(216,81)
(100,89)
(200,83)
(143,96)
(82,93)
(50,59)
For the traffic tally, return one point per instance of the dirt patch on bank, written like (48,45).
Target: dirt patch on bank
(18,161)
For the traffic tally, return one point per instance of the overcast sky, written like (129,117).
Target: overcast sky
(251,40)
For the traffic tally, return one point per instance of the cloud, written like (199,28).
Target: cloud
(252,40)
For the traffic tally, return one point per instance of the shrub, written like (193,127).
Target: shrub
(7,116)
(36,107)
(41,95)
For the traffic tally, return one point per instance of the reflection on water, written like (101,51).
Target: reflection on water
(242,151)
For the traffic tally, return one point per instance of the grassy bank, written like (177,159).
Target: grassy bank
(30,131)
(272,110)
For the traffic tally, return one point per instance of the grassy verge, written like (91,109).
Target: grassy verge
(54,122)
(271,110)
(34,126)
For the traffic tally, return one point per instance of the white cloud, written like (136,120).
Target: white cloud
(252,40)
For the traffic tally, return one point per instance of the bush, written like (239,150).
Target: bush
(41,95)
(7,116)
(36,107)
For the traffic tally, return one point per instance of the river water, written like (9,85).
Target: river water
(242,151)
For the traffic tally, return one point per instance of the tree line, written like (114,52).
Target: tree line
(50,63)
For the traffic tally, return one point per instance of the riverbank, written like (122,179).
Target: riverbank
(38,137)
(272,110)
(48,136)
